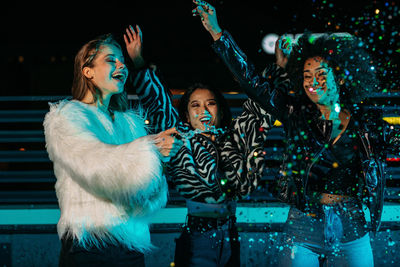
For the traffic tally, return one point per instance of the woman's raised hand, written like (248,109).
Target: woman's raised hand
(283,48)
(208,16)
(133,42)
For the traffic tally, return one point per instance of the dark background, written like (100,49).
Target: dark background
(42,40)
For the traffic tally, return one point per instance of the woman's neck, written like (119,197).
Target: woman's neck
(325,111)
(329,112)
(101,104)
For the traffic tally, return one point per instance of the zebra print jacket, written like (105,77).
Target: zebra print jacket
(206,171)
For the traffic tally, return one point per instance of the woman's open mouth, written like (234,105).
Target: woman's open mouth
(119,76)
(206,119)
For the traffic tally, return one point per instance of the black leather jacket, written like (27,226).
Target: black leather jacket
(307,135)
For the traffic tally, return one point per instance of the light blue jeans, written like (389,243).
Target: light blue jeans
(336,230)
(357,253)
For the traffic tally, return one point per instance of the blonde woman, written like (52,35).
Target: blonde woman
(109,171)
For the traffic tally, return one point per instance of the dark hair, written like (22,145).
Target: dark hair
(345,54)
(81,84)
(223,108)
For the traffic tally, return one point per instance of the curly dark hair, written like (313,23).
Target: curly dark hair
(352,65)
(222,104)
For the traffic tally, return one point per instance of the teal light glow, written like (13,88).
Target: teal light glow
(269,213)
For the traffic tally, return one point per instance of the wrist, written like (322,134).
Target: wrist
(138,62)
(216,34)
(281,63)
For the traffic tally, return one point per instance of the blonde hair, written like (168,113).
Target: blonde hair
(81,84)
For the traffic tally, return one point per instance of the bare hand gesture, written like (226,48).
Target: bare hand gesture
(133,42)
(208,16)
(168,144)
(283,47)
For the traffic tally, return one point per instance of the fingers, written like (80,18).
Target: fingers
(206,6)
(130,35)
(167,134)
(139,33)
(285,44)
(168,145)
(200,12)
(277,42)
(170,131)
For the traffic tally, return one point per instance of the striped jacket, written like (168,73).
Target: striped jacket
(203,170)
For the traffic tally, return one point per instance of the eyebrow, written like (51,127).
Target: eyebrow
(206,100)
(113,55)
(319,68)
(121,59)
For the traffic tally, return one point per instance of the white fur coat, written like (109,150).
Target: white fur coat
(109,175)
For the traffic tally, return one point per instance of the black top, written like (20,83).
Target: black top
(308,138)
(338,169)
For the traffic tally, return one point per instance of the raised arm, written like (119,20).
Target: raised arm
(269,90)
(153,96)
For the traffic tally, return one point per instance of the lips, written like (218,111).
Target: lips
(314,91)
(205,119)
(120,76)
(311,90)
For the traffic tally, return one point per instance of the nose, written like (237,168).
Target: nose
(315,82)
(120,65)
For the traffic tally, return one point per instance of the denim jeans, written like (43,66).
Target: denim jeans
(216,247)
(325,233)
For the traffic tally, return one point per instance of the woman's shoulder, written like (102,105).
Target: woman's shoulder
(66,112)
(68,107)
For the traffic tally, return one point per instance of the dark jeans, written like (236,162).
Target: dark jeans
(72,254)
(214,247)
(326,232)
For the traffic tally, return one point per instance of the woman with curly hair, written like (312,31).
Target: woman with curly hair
(333,159)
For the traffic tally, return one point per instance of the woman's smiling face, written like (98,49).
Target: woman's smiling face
(202,110)
(108,72)
(319,81)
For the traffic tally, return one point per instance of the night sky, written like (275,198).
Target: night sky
(42,40)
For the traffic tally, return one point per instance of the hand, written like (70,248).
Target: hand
(283,47)
(168,144)
(133,42)
(208,16)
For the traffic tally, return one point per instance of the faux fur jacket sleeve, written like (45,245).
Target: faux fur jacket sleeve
(127,174)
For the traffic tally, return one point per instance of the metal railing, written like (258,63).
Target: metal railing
(26,174)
